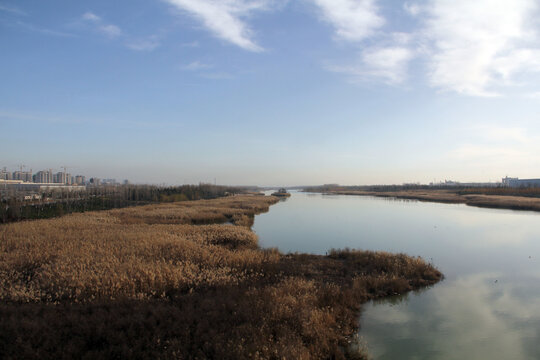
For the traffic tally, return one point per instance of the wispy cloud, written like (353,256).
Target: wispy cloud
(357,21)
(477,46)
(10,115)
(504,134)
(41,30)
(12,9)
(149,43)
(90,16)
(505,149)
(25,116)
(109,30)
(533,95)
(226,18)
(353,20)
(487,153)
(388,64)
(217,76)
(195,66)
(193,44)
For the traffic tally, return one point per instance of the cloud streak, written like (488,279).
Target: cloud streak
(149,43)
(109,30)
(12,9)
(357,21)
(225,19)
(41,30)
(196,66)
(353,20)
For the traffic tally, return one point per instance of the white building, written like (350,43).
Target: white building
(516,182)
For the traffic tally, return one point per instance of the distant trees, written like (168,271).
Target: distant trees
(13,207)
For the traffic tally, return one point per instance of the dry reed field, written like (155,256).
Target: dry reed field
(496,198)
(183,280)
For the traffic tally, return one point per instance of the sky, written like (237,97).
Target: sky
(272,92)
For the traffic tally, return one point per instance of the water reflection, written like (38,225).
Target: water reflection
(488,306)
(474,317)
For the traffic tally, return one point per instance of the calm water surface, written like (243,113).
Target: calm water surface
(488,306)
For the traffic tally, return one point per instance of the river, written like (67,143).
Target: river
(488,305)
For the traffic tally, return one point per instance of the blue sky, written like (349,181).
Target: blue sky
(272,92)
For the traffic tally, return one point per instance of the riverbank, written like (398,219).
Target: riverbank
(183,280)
(466,196)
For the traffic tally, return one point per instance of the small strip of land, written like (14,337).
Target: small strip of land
(486,198)
(183,280)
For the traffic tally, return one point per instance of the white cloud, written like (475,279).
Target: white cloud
(478,46)
(388,64)
(225,18)
(353,20)
(358,20)
(90,16)
(109,30)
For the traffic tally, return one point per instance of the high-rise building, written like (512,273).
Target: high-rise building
(44,176)
(80,180)
(95,181)
(22,175)
(60,178)
(5,175)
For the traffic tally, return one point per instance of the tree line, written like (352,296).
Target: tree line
(14,206)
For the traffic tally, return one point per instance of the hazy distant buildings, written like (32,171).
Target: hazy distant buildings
(48,177)
(451,183)
(22,175)
(95,181)
(59,178)
(5,175)
(516,182)
(79,180)
(44,177)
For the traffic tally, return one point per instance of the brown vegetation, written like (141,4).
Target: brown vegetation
(144,282)
(497,198)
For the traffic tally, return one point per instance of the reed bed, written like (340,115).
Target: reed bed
(496,198)
(145,282)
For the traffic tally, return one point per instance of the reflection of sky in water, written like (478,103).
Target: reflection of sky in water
(488,307)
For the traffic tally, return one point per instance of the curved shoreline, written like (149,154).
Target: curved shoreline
(87,282)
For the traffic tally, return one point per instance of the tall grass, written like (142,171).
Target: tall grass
(145,282)
(507,191)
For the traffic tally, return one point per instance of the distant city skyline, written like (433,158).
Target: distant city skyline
(272,92)
(52,176)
